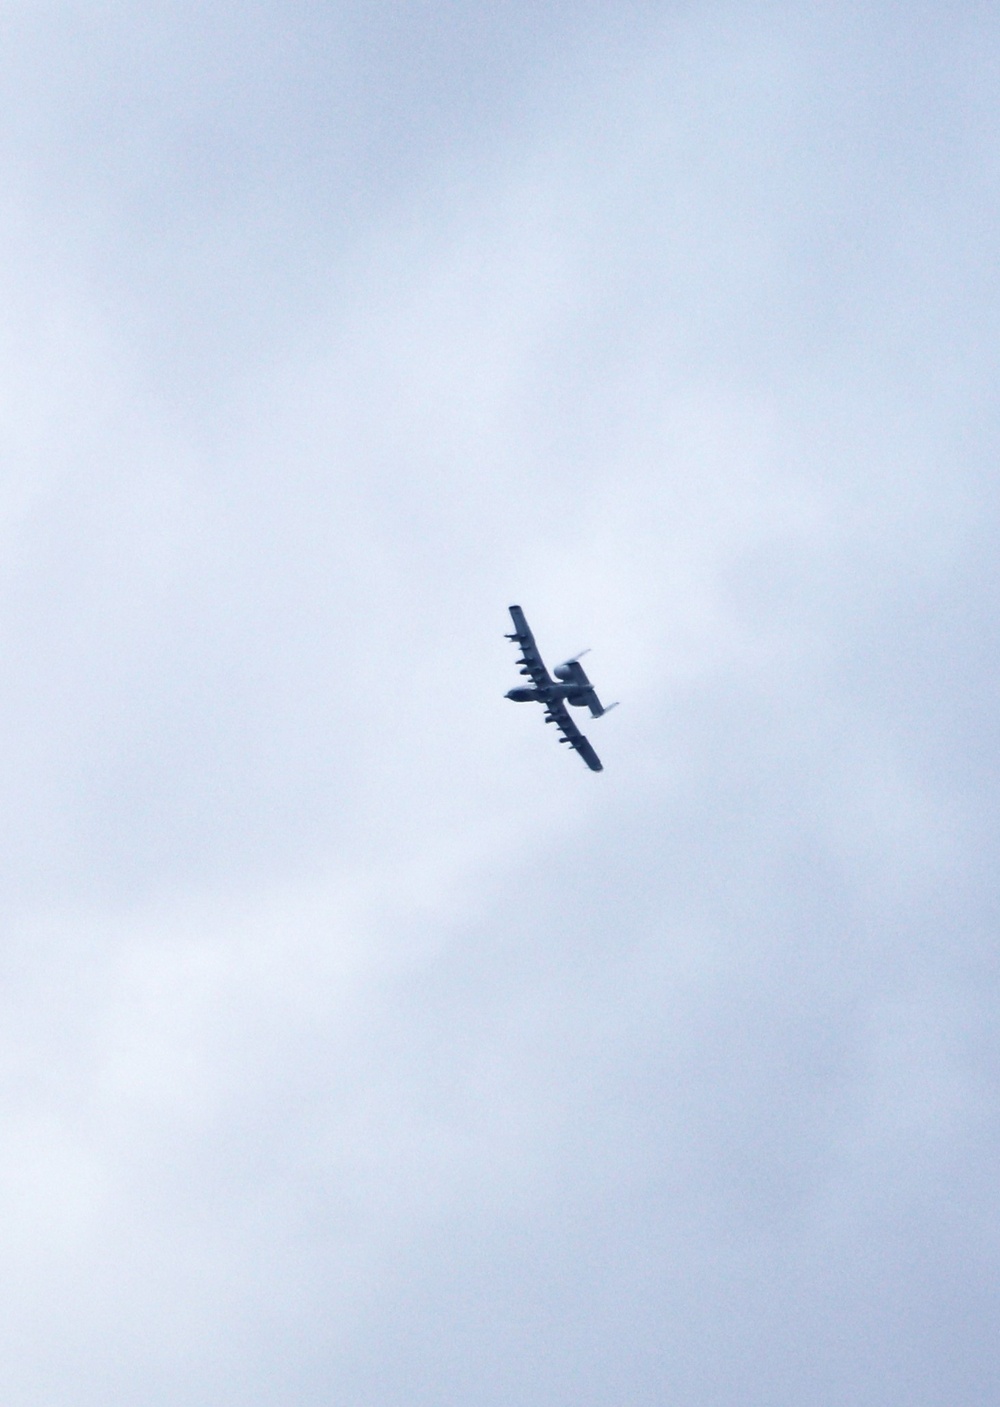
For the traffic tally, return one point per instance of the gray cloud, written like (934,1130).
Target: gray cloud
(358,1046)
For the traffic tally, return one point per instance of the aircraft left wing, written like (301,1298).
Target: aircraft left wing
(570,733)
(530,661)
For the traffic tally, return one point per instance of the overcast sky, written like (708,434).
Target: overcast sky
(358,1046)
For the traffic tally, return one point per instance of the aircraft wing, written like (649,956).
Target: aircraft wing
(530,661)
(570,733)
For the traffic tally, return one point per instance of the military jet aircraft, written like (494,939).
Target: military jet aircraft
(570,686)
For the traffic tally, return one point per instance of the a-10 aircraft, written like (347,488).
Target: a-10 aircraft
(570,686)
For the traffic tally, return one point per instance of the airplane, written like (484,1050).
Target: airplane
(570,686)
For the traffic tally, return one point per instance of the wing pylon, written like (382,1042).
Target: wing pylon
(570,733)
(530,662)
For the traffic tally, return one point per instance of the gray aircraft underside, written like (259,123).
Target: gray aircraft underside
(570,686)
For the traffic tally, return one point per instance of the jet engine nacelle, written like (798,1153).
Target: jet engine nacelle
(563,671)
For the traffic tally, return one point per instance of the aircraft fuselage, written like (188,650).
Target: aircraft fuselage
(555,693)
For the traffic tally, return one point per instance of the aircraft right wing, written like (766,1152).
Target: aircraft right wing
(530,661)
(570,733)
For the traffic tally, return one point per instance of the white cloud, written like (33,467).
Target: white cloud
(358,1044)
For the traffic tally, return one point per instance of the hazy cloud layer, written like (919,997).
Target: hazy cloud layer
(359,1046)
